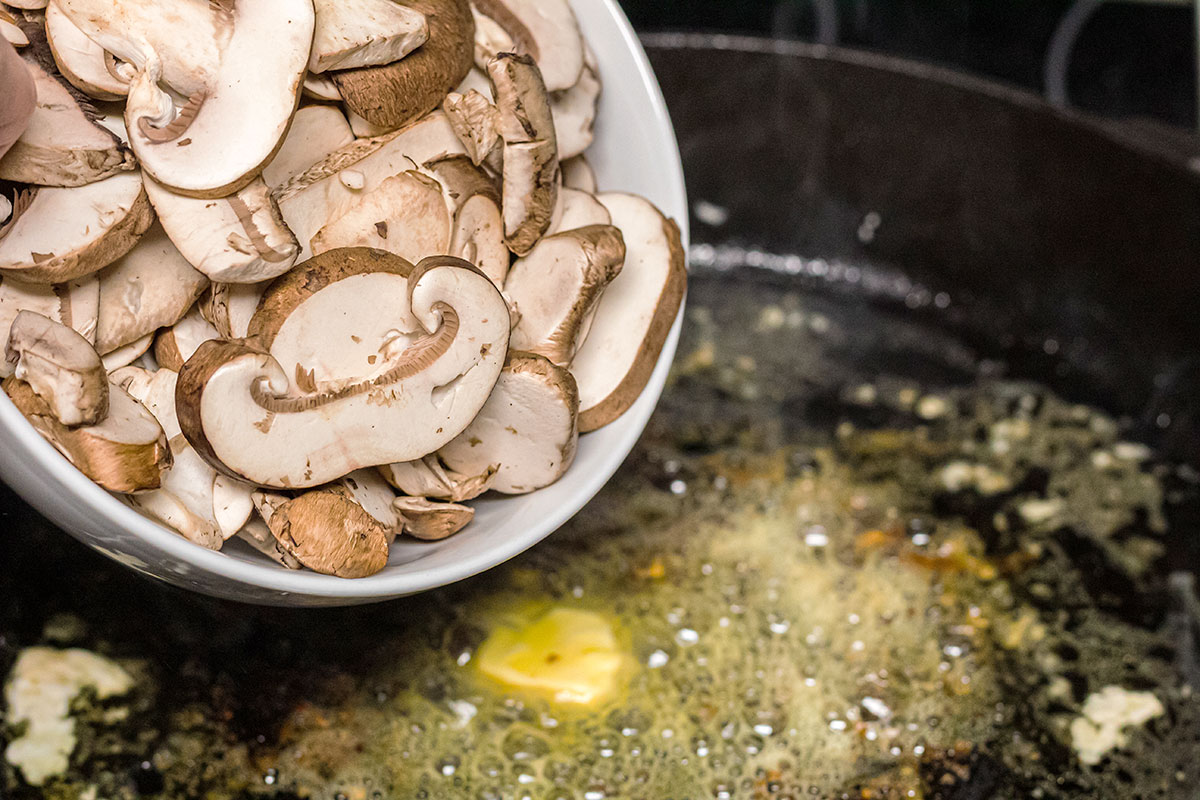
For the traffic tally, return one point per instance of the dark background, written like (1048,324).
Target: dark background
(1131,58)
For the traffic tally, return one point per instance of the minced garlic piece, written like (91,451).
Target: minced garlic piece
(39,692)
(1105,716)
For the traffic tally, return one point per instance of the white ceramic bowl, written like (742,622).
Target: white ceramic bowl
(635,151)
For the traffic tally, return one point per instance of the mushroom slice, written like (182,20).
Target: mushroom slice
(369,490)
(578,209)
(148,288)
(429,520)
(321,87)
(331,187)
(428,477)
(404,215)
(84,64)
(63,145)
(10,31)
(229,307)
(365,391)
(557,287)
(75,305)
(577,173)
(175,345)
(60,366)
(65,234)
(474,119)
(236,239)
(364,33)
(256,534)
(232,504)
(396,94)
(185,501)
(326,531)
(545,30)
(530,152)
(246,95)
(27,5)
(363,129)
(126,452)
(528,426)
(478,230)
(126,354)
(574,113)
(316,132)
(635,315)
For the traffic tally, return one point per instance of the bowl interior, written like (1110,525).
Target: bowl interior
(635,151)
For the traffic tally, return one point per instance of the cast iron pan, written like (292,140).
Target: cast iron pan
(957,222)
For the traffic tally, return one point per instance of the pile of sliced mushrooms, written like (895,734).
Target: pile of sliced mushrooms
(315,278)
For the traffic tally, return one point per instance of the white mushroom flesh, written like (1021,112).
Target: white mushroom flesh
(75,305)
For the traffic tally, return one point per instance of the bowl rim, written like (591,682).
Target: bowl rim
(281,583)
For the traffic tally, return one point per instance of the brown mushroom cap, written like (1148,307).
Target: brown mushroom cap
(393,95)
(327,532)
(61,367)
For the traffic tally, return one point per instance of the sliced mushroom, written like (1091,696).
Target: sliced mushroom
(81,61)
(635,315)
(226,87)
(175,345)
(428,477)
(369,490)
(577,173)
(60,366)
(545,30)
(530,153)
(431,521)
(474,119)
(190,484)
(364,33)
(324,191)
(368,393)
(148,288)
(256,534)
(326,532)
(232,504)
(126,354)
(229,307)
(363,129)
(236,239)
(405,215)
(126,452)
(578,209)
(28,5)
(62,144)
(574,113)
(396,94)
(64,234)
(528,426)
(478,230)
(10,31)
(316,132)
(75,305)
(557,287)
(321,87)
